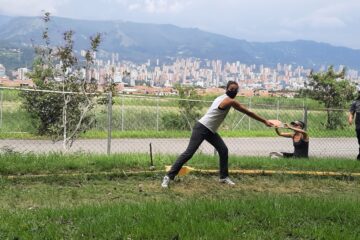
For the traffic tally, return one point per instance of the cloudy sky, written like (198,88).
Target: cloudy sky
(332,21)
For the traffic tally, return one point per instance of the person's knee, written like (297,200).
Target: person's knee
(223,151)
(187,155)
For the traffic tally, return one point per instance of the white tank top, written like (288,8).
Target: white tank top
(215,116)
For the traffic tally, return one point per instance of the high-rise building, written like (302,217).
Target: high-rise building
(2,71)
(21,73)
(83,53)
(113,59)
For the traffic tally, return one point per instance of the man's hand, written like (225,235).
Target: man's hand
(350,118)
(269,124)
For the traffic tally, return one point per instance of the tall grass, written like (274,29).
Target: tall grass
(133,116)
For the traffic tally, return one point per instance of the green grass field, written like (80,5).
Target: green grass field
(17,163)
(96,197)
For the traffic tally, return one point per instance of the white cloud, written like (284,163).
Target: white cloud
(154,6)
(315,21)
(29,7)
(332,16)
(134,7)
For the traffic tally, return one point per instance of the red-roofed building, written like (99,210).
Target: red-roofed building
(5,82)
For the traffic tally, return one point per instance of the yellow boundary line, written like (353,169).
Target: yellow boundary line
(210,171)
(292,172)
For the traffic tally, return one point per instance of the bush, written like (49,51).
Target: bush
(174,121)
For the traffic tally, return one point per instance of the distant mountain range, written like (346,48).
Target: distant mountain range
(139,42)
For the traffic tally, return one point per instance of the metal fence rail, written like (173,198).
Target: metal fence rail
(131,123)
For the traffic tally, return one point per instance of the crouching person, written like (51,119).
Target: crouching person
(300,140)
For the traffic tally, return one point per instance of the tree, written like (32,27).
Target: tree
(189,104)
(65,88)
(334,91)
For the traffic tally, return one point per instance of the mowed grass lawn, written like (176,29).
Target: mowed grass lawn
(97,197)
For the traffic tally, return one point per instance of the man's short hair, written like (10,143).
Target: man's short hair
(230,83)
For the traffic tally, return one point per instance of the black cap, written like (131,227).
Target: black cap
(298,122)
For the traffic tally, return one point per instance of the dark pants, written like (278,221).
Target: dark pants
(358,138)
(287,155)
(358,135)
(199,134)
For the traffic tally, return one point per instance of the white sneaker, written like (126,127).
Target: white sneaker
(165,182)
(227,180)
(274,155)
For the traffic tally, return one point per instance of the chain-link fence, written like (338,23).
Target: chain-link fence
(132,123)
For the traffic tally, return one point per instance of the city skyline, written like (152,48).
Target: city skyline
(194,72)
(328,21)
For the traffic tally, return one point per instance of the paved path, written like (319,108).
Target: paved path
(336,147)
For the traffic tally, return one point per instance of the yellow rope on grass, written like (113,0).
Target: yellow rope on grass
(186,170)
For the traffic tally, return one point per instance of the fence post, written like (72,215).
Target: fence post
(109,123)
(250,117)
(1,107)
(65,122)
(122,112)
(305,117)
(157,114)
(277,109)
